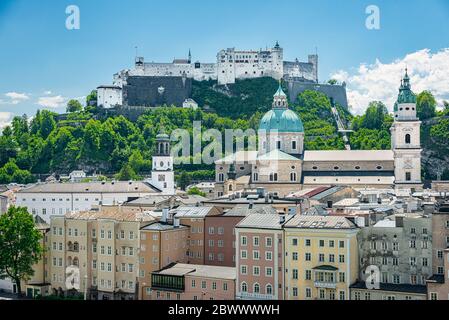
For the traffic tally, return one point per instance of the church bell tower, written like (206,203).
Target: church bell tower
(162,175)
(405,139)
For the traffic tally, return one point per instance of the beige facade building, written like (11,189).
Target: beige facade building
(103,246)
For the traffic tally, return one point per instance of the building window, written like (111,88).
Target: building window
(294,145)
(273,176)
(256,241)
(269,289)
(407,139)
(255,176)
(295,274)
(256,271)
(256,288)
(408,176)
(220,177)
(293,176)
(244,287)
(243,240)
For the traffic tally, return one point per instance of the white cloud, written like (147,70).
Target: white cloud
(52,102)
(5,119)
(15,98)
(47,93)
(380,81)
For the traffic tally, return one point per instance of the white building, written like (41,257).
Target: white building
(235,64)
(230,65)
(77,175)
(162,175)
(47,200)
(109,96)
(190,103)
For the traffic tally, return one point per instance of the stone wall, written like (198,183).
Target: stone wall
(337,93)
(156,91)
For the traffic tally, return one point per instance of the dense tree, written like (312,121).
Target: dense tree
(74,106)
(20,246)
(196,191)
(184,180)
(426,105)
(126,173)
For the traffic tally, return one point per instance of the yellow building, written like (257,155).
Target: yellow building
(321,260)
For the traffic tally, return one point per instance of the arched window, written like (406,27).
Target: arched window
(76,247)
(407,139)
(244,287)
(220,177)
(273,176)
(230,187)
(269,289)
(256,288)
(76,262)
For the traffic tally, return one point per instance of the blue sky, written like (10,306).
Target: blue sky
(40,58)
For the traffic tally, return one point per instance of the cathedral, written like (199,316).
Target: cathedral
(282,166)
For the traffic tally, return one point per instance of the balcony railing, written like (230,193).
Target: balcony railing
(257,296)
(327,285)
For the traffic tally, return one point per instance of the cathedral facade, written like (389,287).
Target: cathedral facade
(282,166)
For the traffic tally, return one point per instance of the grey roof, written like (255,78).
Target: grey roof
(327,192)
(182,269)
(191,212)
(349,155)
(149,200)
(405,288)
(92,187)
(160,226)
(244,210)
(320,222)
(262,221)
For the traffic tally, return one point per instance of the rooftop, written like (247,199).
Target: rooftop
(405,288)
(320,222)
(349,155)
(192,212)
(92,187)
(117,215)
(160,226)
(218,272)
(262,221)
(244,210)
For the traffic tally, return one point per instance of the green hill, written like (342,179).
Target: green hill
(110,145)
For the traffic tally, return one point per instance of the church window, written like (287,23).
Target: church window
(294,145)
(161,178)
(230,187)
(379,167)
(220,177)
(161,164)
(315,168)
(357,168)
(242,168)
(256,177)
(407,139)
(336,168)
(278,143)
(273,177)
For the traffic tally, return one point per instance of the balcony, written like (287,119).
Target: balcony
(256,296)
(326,285)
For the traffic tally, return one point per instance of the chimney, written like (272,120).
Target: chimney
(176,223)
(164,217)
(251,203)
(399,221)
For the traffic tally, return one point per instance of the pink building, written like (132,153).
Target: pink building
(219,236)
(260,261)
(193,282)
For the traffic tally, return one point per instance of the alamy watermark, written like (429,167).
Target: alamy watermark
(372,22)
(73,21)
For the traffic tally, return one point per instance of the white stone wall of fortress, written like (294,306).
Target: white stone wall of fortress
(361,181)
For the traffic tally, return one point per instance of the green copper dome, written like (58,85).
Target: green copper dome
(405,95)
(282,120)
